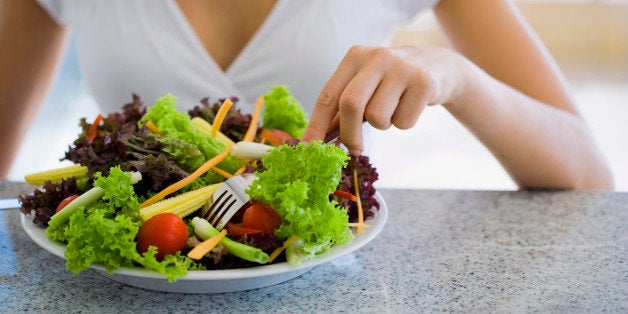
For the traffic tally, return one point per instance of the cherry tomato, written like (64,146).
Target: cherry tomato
(261,217)
(165,231)
(65,202)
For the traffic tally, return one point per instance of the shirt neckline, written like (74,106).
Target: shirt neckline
(198,46)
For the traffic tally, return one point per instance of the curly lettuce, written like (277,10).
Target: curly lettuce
(282,111)
(178,125)
(104,232)
(297,182)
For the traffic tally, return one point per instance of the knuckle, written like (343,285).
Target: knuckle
(381,54)
(430,83)
(350,103)
(356,51)
(325,100)
(401,68)
(377,119)
(424,82)
(403,124)
(419,78)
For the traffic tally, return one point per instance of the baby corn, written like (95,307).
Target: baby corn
(56,175)
(180,205)
(206,128)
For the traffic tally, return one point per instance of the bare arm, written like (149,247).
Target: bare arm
(502,86)
(521,110)
(31,44)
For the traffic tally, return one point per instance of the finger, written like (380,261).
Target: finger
(333,131)
(323,113)
(352,105)
(384,102)
(335,123)
(411,105)
(327,104)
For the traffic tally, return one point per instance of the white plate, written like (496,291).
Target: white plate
(218,281)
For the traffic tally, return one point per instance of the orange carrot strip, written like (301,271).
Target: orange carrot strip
(345,195)
(187,180)
(238,229)
(93,129)
(222,172)
(276,137)
(152,127)
(198,251)
(358,201)
(240,171)
(252,130)
(220,116)
(280,249)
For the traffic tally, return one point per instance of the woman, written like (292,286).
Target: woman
(500,82)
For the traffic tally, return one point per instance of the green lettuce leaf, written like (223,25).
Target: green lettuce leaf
(297,182)
(105,232)
(187,155)
(176,124)
(282,111)
(97,237)
(119,197)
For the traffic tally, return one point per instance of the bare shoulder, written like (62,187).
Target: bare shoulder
(24,12)
(31,43)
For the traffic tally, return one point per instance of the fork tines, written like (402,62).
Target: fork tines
(219,207)
(227,200)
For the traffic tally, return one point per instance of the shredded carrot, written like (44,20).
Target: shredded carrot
(222,172)
(187,180)
(358,201)
(280,249)
(345,195)
(200,250)
(252,130)
(220,116)
(153,128)
(93,129)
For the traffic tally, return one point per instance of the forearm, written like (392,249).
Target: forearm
(539,145)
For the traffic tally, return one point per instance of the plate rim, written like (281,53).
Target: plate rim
(376,225)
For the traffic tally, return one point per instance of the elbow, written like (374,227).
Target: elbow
(597,179)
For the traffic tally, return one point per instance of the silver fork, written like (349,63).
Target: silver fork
(227,200)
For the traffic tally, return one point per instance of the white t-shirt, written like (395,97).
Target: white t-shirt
(149,48)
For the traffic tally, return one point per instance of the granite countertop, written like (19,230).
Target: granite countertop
(480,251)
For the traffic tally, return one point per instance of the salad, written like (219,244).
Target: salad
(141,178)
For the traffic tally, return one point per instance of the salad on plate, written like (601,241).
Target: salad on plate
(141,178)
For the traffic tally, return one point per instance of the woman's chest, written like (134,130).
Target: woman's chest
(224,28)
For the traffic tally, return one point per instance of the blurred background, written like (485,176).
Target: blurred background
(588,38)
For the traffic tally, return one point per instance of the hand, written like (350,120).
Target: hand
(383,86)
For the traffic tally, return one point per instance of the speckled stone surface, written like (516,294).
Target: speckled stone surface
(467,251)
